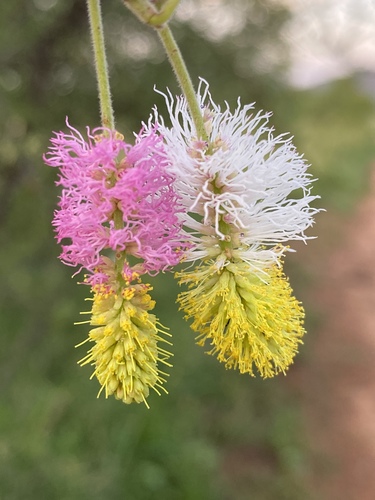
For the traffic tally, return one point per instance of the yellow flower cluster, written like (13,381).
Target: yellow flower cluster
(126,353)
(251,320)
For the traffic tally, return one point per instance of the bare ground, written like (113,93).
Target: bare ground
(337,382)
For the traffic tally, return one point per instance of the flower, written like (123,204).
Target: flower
(118,219)
(116,197)
(246,194)
(126,353)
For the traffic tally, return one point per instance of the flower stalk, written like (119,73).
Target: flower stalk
(183,78)
(158,19)
(101,67)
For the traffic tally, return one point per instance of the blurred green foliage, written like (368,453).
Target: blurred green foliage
(218,435)
(334,126)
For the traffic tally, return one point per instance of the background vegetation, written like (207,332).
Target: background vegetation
(218,435)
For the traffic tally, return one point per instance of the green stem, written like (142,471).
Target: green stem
(183,77)
(101,67)
(149,13)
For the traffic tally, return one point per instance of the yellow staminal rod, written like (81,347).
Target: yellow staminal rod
(126,353)
(251,320)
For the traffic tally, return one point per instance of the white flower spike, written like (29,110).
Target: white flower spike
(246,194)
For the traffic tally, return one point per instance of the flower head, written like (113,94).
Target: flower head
(116,197)
(118,219)
(246,194)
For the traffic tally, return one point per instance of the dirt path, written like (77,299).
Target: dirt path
(337,383)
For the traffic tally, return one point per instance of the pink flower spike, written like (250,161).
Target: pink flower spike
(116,197)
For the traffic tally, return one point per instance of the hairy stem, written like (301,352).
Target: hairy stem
(101,67)
(183,77)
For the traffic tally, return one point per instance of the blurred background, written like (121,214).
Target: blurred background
(218,435)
